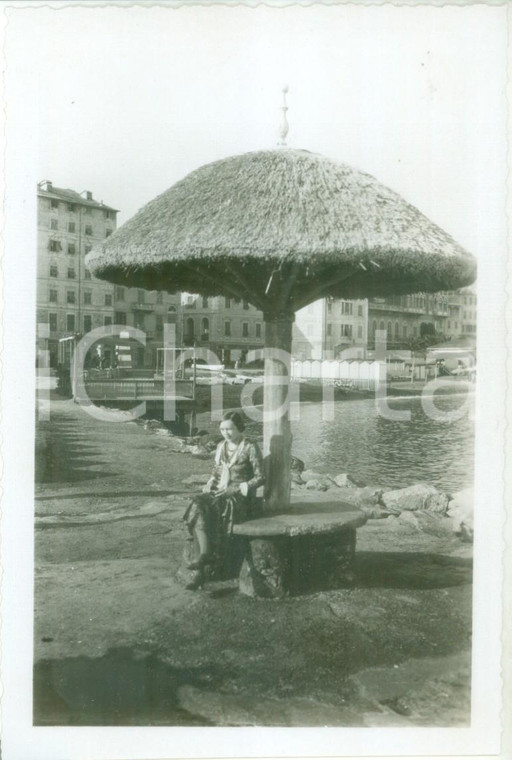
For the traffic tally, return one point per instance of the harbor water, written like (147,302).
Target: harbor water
(390,453)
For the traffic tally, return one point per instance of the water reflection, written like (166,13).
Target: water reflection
(387,452)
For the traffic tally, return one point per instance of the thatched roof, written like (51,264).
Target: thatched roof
(327,228)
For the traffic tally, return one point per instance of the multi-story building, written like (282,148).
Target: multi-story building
(333,328)
(227,327)
(406,317)
(329,327)
(69,299)
(461,319)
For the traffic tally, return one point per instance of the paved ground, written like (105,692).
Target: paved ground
(119,642)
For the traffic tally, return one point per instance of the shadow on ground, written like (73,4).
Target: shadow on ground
(411,570)
(61,457)
(116,689)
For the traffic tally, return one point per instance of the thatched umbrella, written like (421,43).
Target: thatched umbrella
(281,229)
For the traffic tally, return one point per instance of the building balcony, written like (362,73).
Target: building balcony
(142,306)
(390,307)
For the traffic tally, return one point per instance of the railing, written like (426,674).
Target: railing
(140,388)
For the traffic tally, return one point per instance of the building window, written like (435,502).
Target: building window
(405,331)
(71,273)
(52,320)
(359,330)
(109,214)
(258,329)
(71,207)
(245,329)
(87,274)
(107,321)
(359,311)
(71,227)
(205,302)
(119,293)
(246,305)
(87,297)
(190,327)
(88,210)
(227,303)
(54,225)
(54,270)
(108,233)
(70,322)
(88,229)
(329,329)
(159,323)
(159,297)
(70,296)
(141,295)
(329,306)
(54,203)
(120,317)
(397,330)
(54,246)
(108,299)
(87,323)
(53,297)
(88,248)
(227,329)
(71,249)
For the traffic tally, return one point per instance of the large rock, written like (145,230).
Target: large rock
(176,444)
(418,497)
(371,495)
(460,509)
(374,512)
(321,477)
(316,485)
(152,424)
(343,480)
(198,451)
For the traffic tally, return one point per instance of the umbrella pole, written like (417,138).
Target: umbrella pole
(277,437)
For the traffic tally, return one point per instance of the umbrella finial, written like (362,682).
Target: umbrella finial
(283,131)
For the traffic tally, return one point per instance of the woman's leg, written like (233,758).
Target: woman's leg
(204,545)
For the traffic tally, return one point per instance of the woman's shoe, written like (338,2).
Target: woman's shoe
(195,583)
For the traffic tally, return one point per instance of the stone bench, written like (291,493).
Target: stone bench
(310,546)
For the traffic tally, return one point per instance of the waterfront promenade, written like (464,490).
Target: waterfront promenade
(118,641)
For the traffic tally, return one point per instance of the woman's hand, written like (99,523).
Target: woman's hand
(208,487)
(244,489)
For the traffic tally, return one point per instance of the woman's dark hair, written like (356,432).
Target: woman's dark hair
(236,419)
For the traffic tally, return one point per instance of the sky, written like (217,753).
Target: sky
(128,100)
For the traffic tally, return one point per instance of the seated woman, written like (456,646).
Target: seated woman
(228,497)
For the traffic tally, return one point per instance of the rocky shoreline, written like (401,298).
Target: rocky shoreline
(420,504)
